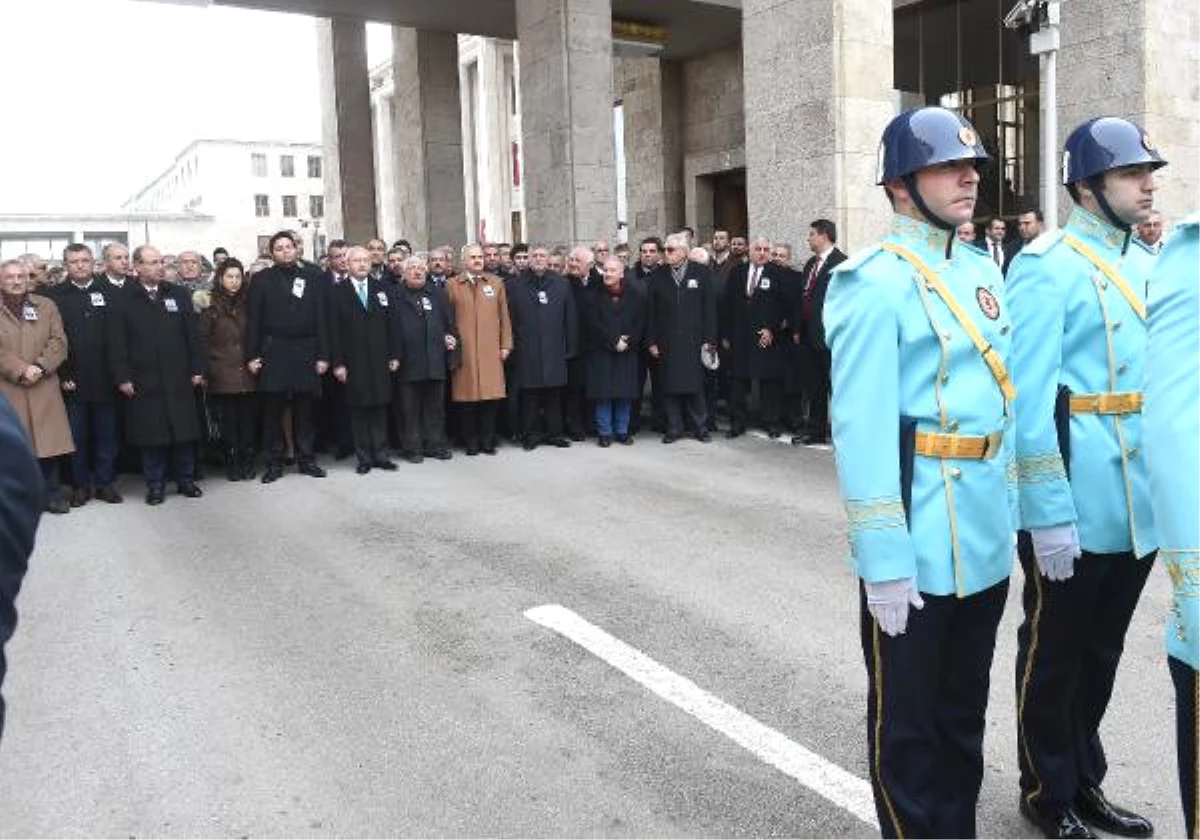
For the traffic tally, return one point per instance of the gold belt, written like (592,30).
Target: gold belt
(967,447)
(1128,402)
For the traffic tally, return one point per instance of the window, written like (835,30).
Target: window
(258,165)
(289,206)
(262,206)
(264,246)
(287,166)
(314,166)
(316,206)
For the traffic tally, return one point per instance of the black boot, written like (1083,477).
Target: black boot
(233,469)
(246,465)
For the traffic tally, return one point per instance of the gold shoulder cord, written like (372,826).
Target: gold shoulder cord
(1108,271)
(990,357)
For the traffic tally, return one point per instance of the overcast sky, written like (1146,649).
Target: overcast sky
(100,95)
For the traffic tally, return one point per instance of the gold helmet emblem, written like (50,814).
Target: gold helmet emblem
(968,137)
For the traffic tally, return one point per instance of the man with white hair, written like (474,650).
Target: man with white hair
(682,320)
(581,275)
(753,316)
(365,353)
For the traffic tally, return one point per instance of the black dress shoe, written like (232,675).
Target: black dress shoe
(441,454)
(289,461)
(385,465)
(490,449)
(625,440)
(190,490)
(669,438)
(109,495)
(703,436)
(58,506)
(155,496)
(310,469)
(810,440)
(79,497)
(274,473)
(734,432)
(413,457)
(559,441)
(363,469)
(529,445)
(772,432)
(1094,807)
(472,451)
(797,440)
(578,437)
(1063,822)
(604,441)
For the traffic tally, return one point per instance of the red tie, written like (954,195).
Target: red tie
(809,286)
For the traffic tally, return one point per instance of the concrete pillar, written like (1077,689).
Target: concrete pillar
(818,88)
(346,129)
(566,119)
(383,113)
(1136,60)
(651,91)
(428,138)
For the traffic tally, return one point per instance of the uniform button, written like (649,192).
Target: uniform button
(951,425)
(1116,325)
(945,335)
(955,473)
(945,378)
(1103,284)
(1004,330)
(1121,368)
(1131,453)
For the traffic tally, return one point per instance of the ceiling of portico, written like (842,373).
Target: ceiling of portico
(692,26)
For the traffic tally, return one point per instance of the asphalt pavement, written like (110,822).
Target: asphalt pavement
(351,656)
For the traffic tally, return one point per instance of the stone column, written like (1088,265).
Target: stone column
(651,91)
(385,168)
(1136,60)
(346,129)
(566,119)
(428,138)
(818,89)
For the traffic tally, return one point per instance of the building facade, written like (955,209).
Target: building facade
(242,192)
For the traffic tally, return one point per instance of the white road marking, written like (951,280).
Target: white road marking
(819,775)
(787,438)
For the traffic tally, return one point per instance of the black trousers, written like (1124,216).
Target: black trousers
(368,430)
(1068,649)
(182,458)
(546,402)
(770,393)
(332,416)
(675,405)
(477,421)
(576,409)
(927,701)
(1187,738)
(273,405)
(816,383)
(422,416)
(648,368)
(237,416)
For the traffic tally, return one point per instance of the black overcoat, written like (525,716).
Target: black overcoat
(744,315)
(424,319)
(287,328)
(681,318)
(155,344)
(85,314)
(612,375)
(545,329)
(364,340)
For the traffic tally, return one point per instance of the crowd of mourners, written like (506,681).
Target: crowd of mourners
(172,364)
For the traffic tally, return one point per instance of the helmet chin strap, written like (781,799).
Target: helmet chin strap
(1096,183)
(910,183)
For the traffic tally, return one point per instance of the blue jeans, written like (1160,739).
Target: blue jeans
(154,463)
(613,415)
(94,429)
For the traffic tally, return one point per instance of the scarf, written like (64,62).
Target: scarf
(15,303)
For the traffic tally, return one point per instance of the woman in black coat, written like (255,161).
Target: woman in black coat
(615,323)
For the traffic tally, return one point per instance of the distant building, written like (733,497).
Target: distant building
(246,189)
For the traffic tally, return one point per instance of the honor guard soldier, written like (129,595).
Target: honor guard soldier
(1172,430)
(919,332)
(1079,326)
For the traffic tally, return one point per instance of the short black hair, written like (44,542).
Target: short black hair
(1036,211)
(76,248)
(283,234)
(402,243)
(652,240)
(219,251)
(992,219)
(826,228)
(336,243)
(519,248)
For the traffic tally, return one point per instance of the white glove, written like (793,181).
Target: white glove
(889,600)
(1056,550)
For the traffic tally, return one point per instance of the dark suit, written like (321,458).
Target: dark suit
(545,335)
(1009,248)
(22,497)
(809,318)
(748,310)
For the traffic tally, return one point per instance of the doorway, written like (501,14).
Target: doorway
(729,202)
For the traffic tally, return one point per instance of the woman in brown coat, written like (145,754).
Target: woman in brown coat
(33,345)
(230,384)
(481,313)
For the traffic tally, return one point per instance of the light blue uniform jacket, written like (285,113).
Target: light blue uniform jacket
(1073,327)
(898,351)
(1171,424)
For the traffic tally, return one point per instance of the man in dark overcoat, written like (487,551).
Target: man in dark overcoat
(544,324)
(287,348)
(157,363)
(365,354)
(753,314)
(682,319)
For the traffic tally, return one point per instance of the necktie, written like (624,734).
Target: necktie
(752,280)
(809,287)
(997,254)
(361,288)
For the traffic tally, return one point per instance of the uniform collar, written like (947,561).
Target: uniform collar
(922,237)
(1096,229)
